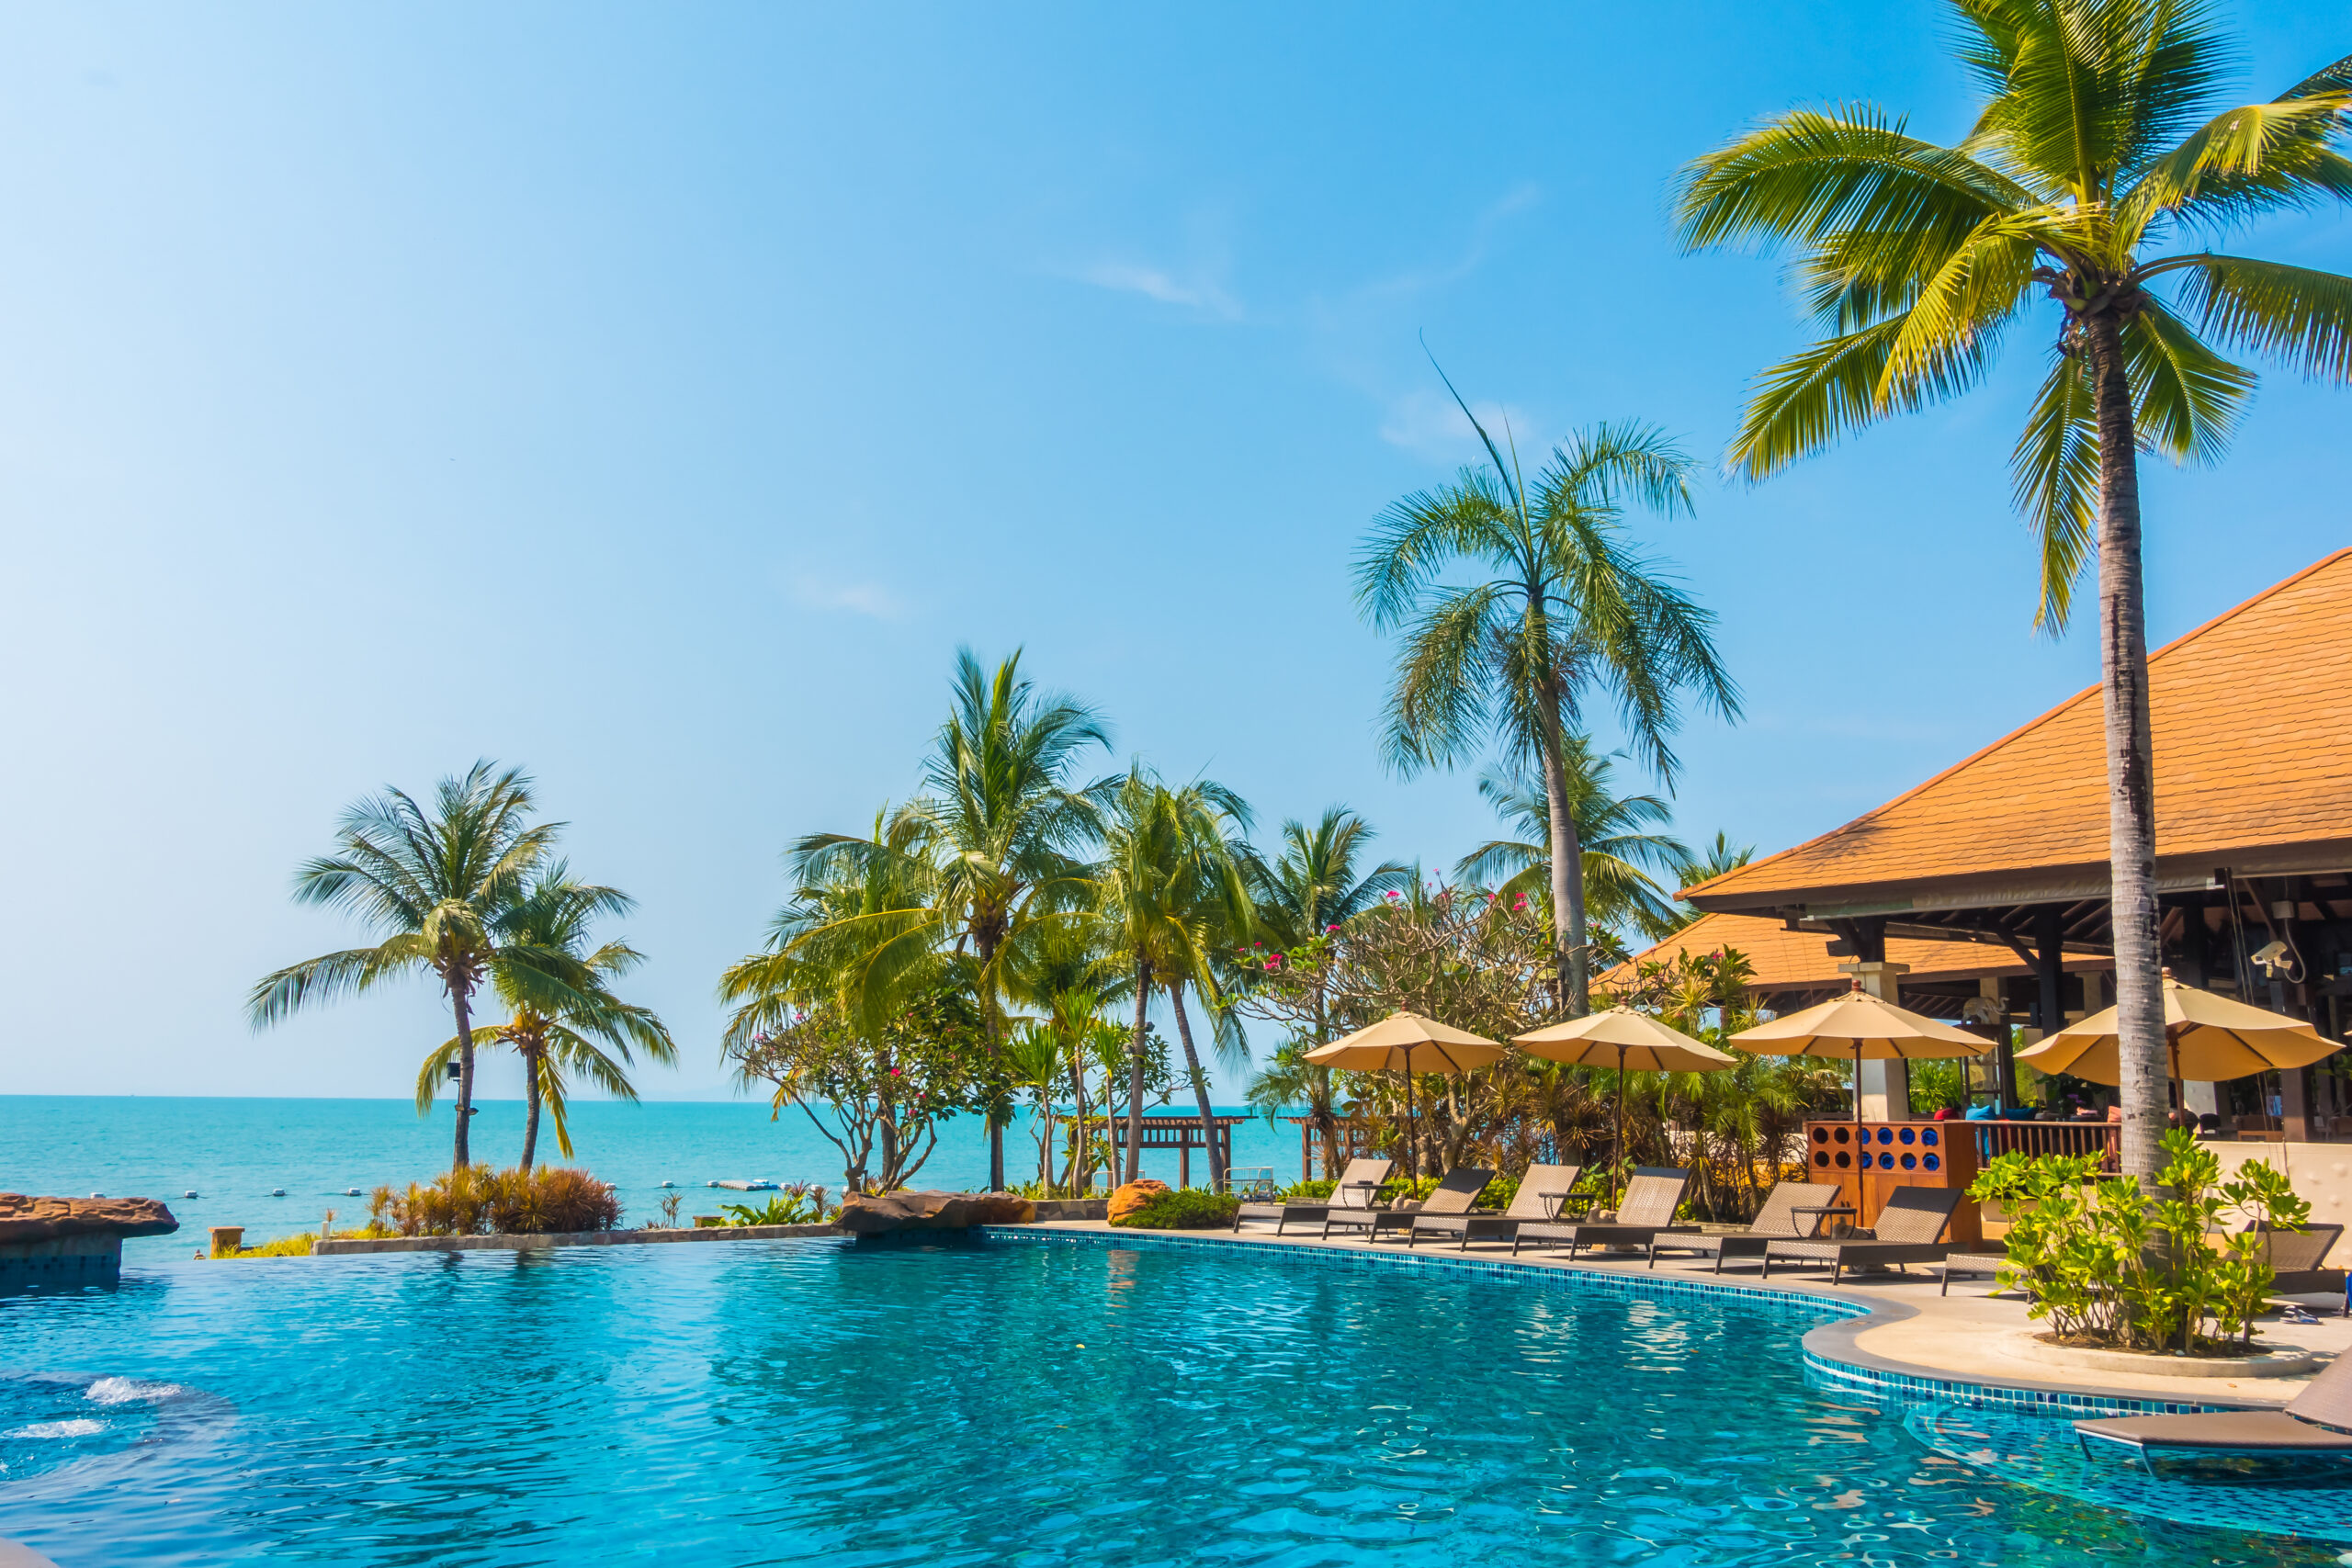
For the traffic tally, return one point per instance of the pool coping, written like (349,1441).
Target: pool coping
(1831,1357)
(356,1246)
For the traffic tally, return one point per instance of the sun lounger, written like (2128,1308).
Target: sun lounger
(2318,1420)
(1790,1209)
(1969,1266)
(2295,1259)
(1647,1209)
(1452,1196)
(1357,1187)
(1541,1192)
(1909,1230)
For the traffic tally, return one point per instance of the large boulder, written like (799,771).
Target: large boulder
(932,1211)
(1131,1197)
(25,1218)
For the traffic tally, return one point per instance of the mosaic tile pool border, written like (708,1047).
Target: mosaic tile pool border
(1329,1258)
(1912,1389)
(1821,1370)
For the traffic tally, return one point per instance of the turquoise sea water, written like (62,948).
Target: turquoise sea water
(1010,1402)
(233,1152)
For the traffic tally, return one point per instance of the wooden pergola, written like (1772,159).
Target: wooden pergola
(1354,1142)
(1182,1134)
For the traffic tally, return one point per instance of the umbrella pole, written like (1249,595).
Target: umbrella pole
(1412,1145)
(1858,1083)
(1621,1118)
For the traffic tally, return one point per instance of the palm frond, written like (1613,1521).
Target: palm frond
(2054,481)
(2297,314)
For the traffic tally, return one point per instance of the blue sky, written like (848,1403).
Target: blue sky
(656,396)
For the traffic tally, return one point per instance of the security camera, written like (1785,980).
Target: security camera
(2271,957)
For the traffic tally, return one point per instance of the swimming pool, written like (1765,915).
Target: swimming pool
(975,1404)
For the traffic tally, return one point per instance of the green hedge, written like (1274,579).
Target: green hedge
(1189,1209)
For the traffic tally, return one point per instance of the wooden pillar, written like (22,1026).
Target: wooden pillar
(2004,1067)
(2050,969)
(1185,1158)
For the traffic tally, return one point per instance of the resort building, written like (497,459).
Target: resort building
(1990,880)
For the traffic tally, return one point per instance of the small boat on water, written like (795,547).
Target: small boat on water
(746,1186)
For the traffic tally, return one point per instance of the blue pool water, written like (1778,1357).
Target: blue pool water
(1013,1402)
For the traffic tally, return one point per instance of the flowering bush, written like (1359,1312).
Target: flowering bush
(876,1095)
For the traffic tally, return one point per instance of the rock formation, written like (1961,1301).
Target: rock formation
(24,1218)
(1133,1196)
(932,1211)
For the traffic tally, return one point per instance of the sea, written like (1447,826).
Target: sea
(237,1156)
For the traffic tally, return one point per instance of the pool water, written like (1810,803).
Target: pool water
(997,1402)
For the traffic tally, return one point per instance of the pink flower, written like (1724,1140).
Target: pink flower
(1273,961)
(894,1072)
(1330,930)
(1392,893)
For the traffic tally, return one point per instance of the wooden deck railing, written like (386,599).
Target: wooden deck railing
(2094,1139)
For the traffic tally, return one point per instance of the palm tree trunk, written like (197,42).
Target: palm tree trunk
(1200,1087)
(1574,976)
(2131,774)
(1326,1120)
(1076,1170)
(986,946)
(530,1107)
(458,1000)
(1135,1073)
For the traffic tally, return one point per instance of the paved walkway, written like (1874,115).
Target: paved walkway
(1967,1336)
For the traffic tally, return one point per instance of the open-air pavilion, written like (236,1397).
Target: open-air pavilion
(1993,873)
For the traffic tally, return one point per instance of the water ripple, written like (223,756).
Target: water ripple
(986,1406)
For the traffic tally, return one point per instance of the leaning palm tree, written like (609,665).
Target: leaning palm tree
(432,883)
(1622,852)
(996,822)
(563,1020)
(1561,606)
(2094,158)
(1168,893)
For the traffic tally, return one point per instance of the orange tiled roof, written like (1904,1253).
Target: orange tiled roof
(2252,749)
(1785,960)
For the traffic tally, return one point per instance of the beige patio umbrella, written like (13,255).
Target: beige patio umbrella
(2212,1038)
(1860,1027)
(1628,1041)
(1406,1043)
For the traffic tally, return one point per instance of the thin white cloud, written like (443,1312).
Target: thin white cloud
(868,599)
(1428,423)
(1198,292)
(1519,199)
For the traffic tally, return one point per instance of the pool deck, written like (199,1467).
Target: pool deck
(1912,1342)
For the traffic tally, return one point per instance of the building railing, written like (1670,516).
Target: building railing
(2094,1140)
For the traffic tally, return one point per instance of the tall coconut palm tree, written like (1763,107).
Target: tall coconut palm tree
(997,823)
(432,883)
(1314,885)
(1561,606)
(2095,177)
(1168,893)
(1621,851)
(563,1018)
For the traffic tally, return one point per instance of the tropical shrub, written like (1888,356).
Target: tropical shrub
(1182,1209)
(2107,1265)
(1309,1191)
(797,1204)
(876,1088)
(475,1200)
